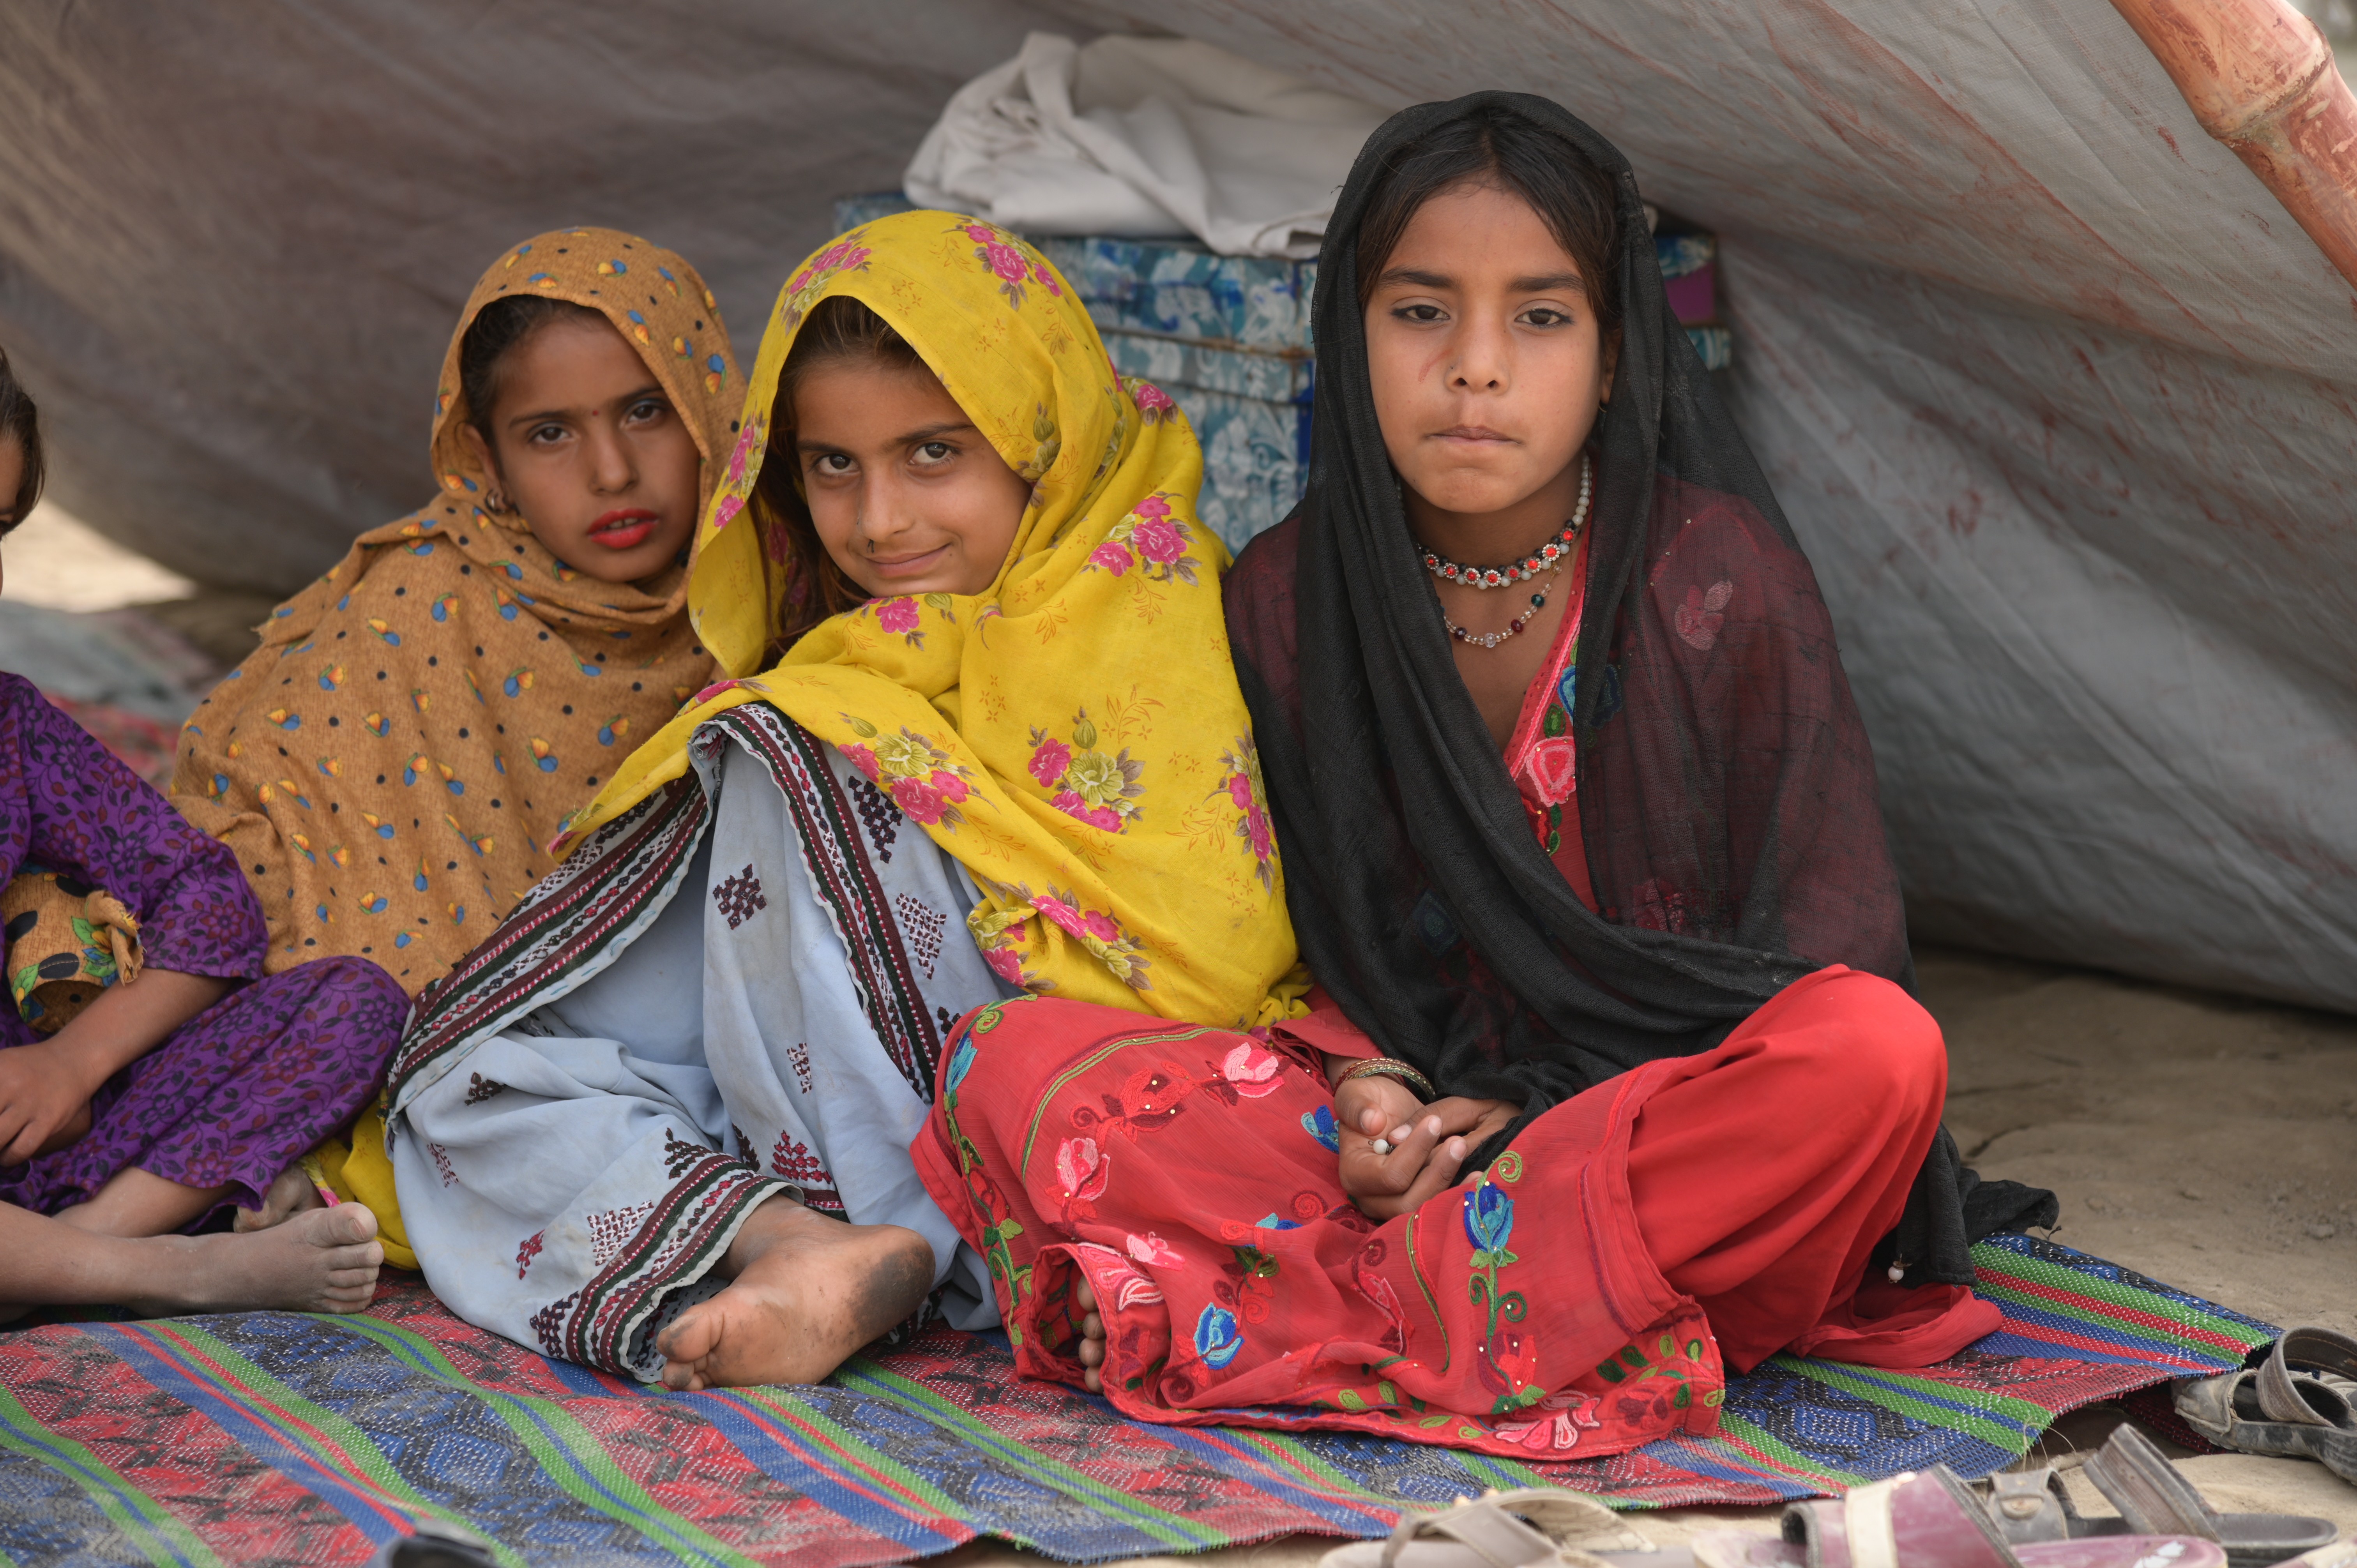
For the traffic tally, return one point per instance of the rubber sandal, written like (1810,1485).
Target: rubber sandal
(2225,1410)
(2153,1500)
(2312,1409)
(1507,1529)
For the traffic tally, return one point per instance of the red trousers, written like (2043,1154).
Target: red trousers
(1586,1294)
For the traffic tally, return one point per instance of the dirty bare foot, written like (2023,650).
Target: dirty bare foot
(290,1194)
(809,1292)
(1093,1337)
(324,1260)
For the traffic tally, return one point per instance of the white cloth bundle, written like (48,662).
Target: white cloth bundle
(1144,136)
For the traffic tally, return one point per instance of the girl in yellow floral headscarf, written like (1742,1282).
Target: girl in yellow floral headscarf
(1016,760)
(390,763)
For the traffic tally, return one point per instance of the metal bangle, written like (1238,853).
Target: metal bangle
(1390,1068)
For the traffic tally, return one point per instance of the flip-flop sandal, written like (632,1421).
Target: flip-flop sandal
(1928,1520)
(2318,1415)
(2154,1500)
(1507,1529)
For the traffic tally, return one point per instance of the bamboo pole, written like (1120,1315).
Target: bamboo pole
(2260,78)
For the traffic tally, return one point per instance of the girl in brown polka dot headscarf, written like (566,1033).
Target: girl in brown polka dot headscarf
(392,760)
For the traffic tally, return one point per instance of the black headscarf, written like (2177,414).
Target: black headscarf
(1725,790)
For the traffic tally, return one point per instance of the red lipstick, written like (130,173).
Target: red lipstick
(623,528)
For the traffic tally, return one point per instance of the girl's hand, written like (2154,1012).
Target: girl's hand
(44,1105)
(1429,1145)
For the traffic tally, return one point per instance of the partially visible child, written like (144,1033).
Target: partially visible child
(147,1078)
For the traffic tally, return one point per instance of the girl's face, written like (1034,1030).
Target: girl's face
(1487,360)
(591,453)
(907,496)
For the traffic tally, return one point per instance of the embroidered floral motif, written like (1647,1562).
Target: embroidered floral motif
(1700,619)
(1251,1071)
(1085,1170)
(442,1164)
(1046,443)
(1154,405)
(1151,535)
(999,936)
(611,1231)
(1011,261)
(921,928)
(1100,933)
(1320,1125)
(548,1323)
(1084,783)
(531,1247)
(739,897)
(479,1088)
(846,254)
(1243,785)
(792,1160)
(1561,1418)
(744,468)
(1152,1249)
(1218,1337)
(878,815)
(923,780)
(1507,1361)
(798,1054)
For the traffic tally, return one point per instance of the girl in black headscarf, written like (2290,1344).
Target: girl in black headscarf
(1580,839)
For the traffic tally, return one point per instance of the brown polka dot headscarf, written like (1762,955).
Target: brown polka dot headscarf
(415,724)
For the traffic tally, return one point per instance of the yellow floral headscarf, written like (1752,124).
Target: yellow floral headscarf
(1074,734)
(392,760)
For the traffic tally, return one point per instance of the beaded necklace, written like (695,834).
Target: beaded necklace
(1514,628)
(1545,556)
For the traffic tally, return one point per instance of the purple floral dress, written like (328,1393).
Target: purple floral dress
(239,1091)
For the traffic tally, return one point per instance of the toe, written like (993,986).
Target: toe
(693,1338)
(1086,1295)
(350,1223)
(1093,1380)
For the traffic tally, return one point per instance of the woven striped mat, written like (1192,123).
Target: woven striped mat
(271,1438)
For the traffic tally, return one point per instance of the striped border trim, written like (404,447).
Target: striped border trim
(711,1196)
(845,880)
(566,918)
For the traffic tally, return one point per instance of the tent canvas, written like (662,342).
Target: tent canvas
(2058,397)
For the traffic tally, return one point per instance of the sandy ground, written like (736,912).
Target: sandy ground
(2205,1140)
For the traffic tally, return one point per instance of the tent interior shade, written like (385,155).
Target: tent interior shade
(2057,396)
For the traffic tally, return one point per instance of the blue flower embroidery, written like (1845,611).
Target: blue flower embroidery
(1274,1223)
(1217,1337)
(1319,1124)
(1488,1220)
(962,1061)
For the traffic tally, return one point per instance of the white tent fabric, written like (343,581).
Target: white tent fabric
(1132,136)
(2057,398)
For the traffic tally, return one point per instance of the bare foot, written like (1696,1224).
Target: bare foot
(290,1194)
(1093,1337)
(809,1292)
(325,1260)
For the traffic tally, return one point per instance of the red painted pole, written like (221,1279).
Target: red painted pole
(2260,78)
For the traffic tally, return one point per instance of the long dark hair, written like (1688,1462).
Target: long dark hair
(1492,145)
(20,422)
(839,330)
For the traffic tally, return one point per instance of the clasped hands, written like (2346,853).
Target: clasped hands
(1427,1143)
